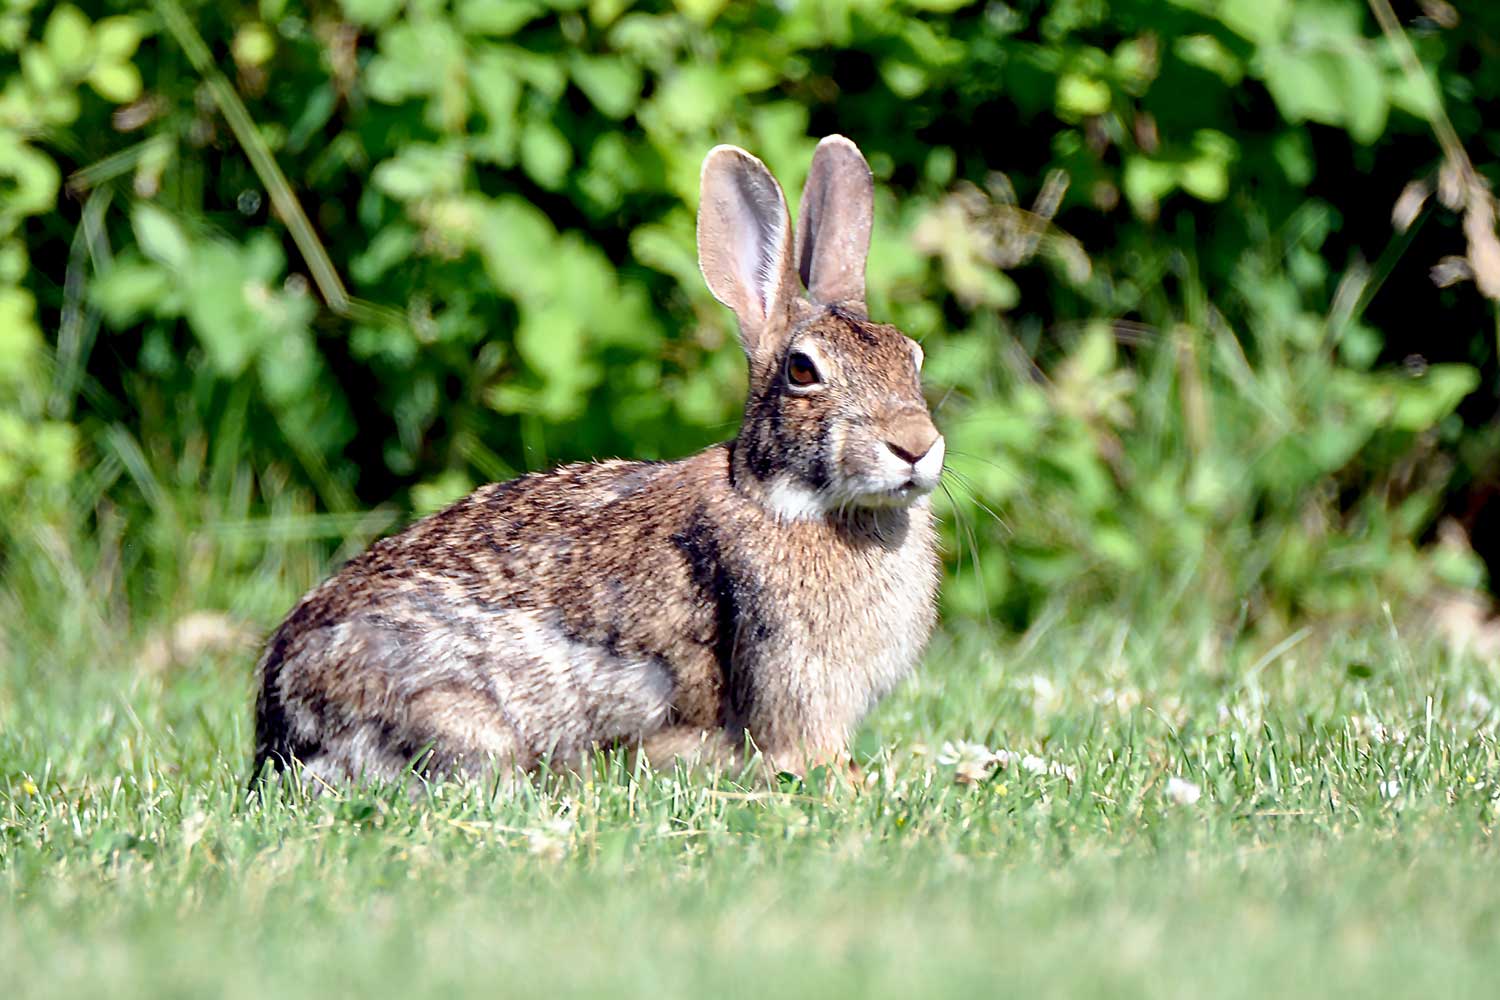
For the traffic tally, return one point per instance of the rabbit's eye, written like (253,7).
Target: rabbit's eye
(800,371)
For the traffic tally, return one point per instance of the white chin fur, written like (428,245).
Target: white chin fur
(790,500)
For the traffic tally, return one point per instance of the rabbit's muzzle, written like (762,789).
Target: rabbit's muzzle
(900,461)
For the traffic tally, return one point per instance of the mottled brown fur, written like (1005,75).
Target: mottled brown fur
(771,587)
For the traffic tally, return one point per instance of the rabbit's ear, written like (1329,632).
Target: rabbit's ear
(745,243)
(833,224)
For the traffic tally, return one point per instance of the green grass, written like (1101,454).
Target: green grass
(1342,843)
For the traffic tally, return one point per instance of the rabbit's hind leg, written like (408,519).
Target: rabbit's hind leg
(694,746)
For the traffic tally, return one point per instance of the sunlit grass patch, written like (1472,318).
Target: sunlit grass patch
(1069,812)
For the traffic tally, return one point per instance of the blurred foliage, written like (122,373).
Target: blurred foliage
(1199,369)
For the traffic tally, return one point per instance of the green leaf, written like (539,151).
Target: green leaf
(1078,96)
(1260,21)
(31,178)
(253,45)
(391,246)
(691,99)
(1208,53)
(1365,101)
(547,76)
(701,12)
(516,241)
(130,290)
(612,172)
(218,312)
(499,18)
(667,249)
(1293,153)
(1136,62)
(1412,94)
(420,171)
(39,70)
(13,261)
(67,39)
(371,13)
(1204,179)
(1206,175)
(905,78)
(498,91)
(117,38)
(421,59)
(939,6)
(1307,86)
(611,83)
(1421,402)
(119,82)
(20,338)
(434,494)
(159,236)
(1094,357)
(290,367)
(551,341)
(545,153)
(1146,182)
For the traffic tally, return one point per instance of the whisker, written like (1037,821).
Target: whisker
(958,518)
(973,495)
(952,389)
(966,530)
(1021,476)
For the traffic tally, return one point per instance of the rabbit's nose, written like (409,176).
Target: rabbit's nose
(911,436)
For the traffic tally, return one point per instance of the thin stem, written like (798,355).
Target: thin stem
(330,285)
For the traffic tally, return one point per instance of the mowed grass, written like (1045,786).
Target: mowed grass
(1341,841)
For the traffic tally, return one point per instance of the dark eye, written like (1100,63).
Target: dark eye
(800,370)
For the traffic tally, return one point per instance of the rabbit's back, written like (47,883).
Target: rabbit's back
(533,619)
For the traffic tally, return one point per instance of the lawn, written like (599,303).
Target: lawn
(1016,828)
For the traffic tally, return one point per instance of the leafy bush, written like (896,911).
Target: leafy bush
(263,259)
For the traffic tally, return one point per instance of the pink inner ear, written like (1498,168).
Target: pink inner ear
(766,271)
(758,230)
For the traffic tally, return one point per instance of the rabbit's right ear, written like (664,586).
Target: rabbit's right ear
(745,244)
(833,224)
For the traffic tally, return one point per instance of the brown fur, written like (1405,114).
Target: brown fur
(771,587)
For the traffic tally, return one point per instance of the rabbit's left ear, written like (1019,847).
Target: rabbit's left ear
(745,245)
(833,225)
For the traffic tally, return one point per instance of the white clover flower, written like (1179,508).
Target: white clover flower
(1032,764)
(1377,731)
(972,762)
(550,840)
(1122,700)
(1390,788)
(1182,792)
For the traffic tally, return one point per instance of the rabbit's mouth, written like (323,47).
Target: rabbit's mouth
(898,480)
(904,495)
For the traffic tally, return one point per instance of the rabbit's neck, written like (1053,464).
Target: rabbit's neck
(847,608)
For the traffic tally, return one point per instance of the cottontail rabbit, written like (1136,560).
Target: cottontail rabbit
(772,587)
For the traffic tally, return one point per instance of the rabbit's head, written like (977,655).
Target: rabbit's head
(835,417)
